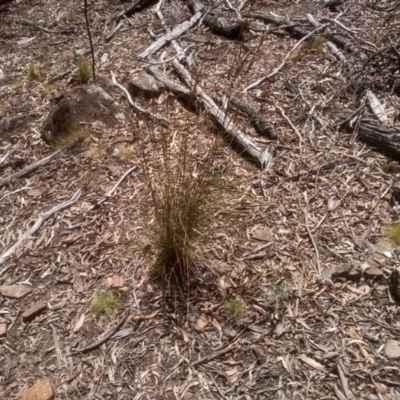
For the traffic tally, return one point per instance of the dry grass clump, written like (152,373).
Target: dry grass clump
(392,232)
(105,303)
(181,188)
(235,306)
(83,72)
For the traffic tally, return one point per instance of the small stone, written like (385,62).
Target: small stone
(15,291)
(392,348)
(373,273)
(1,74)
(3,330)
(33,312)
(41,390)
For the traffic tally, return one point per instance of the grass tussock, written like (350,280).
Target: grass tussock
(83,72)
(392,232)
(105,303)
(235,306)
(32,72)
(81,134)
(181,187)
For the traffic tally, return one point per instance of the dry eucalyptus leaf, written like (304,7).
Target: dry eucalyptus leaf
(114,281)
(264,235)
(312,363)
(201,323)
(79,324)
(36,192)
(333,204)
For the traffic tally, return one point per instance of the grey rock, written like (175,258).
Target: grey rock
(145,86)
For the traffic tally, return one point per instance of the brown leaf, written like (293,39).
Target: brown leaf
(312,363)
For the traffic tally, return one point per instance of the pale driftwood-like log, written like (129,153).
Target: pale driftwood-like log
(257,120)
(138,109)
(376,107)
(170,36)
(238,138)
(36,165)
(220,26)
(34,228)
(178,90)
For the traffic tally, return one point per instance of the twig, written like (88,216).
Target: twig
(37,164)
(305,211)
(90,39)
(218,352)
(277,69)
(103,339)
(57,346)
(111,192)
(133,105)
(8,154)
(41,218)
(291,125)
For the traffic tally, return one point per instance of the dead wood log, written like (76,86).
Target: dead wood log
(385,139)
(36,165)
(134,6)
(239,139)
(170,36)
(300,32)
(218,25)
(257,120)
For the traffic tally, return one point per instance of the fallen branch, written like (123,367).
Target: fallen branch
(4,158)
(36,165)
(218,352)
(220,26)
(277,69)
(239,138)
(172,35)
(103,339)
(111,192)
(138,109)
(39,222)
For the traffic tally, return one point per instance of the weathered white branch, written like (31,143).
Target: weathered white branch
(34,228)
(174,34)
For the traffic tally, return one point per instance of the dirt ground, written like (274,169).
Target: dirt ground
(300,246)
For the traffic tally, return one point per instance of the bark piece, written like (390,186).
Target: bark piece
(41,390)
(33,311)
(3,330)
(15,291)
